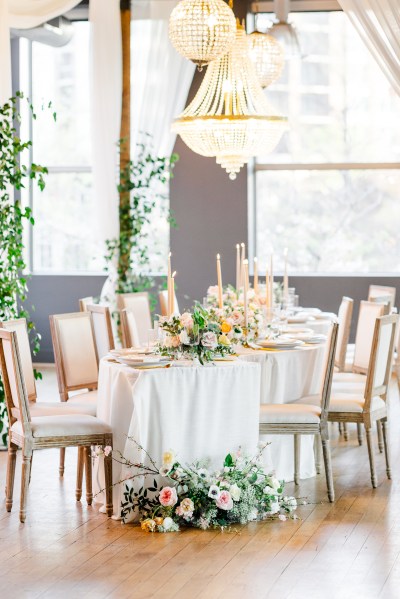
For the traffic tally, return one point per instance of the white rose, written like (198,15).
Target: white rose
(274,508)
(235,492)
(275,483)
(291,503)
(209,340)
(269,490)
(184,337)
(167,523)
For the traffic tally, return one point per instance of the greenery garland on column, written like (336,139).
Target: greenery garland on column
(13,217)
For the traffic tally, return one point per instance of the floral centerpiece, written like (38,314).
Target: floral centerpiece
(240,492)
(233,312)
(203,334)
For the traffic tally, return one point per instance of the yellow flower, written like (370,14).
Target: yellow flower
(168,458)
(159,520)
(148,525)
(223,340)
(226,327)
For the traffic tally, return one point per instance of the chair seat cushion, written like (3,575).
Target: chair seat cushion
(85,397)
(57,408)
(289,413)
(345,402)
(63,426)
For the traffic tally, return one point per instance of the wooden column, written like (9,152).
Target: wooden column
(125,137)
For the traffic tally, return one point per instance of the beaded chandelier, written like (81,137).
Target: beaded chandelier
(230,118)
(202,30)
(267,56)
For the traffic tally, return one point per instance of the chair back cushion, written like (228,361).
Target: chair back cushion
(380,366)
(13,379)
(75,350)
(20,327)
(369,312)
(102,328)
(138,305)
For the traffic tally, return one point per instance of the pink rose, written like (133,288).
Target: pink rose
(187,320)
(168,496)
(213,291)
(172,341)
(107,450)
(224,501)
(237,317)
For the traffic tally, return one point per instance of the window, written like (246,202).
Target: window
(329,192)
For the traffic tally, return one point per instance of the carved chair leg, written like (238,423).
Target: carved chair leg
(345,431)
(79,473)
(12,457)
(360,433)
(340,427)
(326,450)
(386,446)
(297,444)
(62,461)
(30,471)
(88,473)
(26,471)
(108,480)
(317,453)
(370,444)
(380,436)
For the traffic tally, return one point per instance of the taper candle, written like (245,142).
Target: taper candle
(173,293)
(255,285)
(285,277)
(237,266)
(219,278)
(245,290)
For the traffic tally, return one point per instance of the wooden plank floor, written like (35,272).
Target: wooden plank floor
(347,550)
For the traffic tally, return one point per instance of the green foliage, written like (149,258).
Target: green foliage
(142,189)
(13,176)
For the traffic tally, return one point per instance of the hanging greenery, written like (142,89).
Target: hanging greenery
(142,188)
(13,218)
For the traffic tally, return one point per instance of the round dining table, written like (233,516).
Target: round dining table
(288,375)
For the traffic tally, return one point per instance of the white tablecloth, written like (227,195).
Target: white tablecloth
(198,411)
(287,376)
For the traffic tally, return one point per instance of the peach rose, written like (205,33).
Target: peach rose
(187,320)
(226,327)
(168,496)
(224,501)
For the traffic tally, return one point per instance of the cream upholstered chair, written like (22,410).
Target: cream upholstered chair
(102,327)
(84,302)
(344,319)
(368,313)
(302,418)
(369,406)
(43,432)
(129,330)
(76,360)
(138,304)
(163,299)
(382,294)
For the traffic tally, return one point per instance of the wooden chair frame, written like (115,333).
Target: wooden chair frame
(84,302)
(126,337)
(4,325)
(368,417)
(14,386)
(340,360)
(320,429)
(384,292)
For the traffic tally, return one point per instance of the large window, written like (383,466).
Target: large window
(331,190)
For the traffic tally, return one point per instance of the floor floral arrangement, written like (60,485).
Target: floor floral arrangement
(239,492)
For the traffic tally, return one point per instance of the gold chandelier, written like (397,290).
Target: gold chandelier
(267,56)
(230,118)
(202,30)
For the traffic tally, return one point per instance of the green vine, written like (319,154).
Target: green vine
(142,187)
(13,217)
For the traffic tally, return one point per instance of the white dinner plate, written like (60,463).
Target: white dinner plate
(293,330)
(300,319)
(279,343)
(129,351)
(145,362)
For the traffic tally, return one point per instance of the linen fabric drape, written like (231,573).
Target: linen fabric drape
(23,14)
(160,83)
(378,24)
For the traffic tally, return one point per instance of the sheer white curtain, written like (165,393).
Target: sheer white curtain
(160,83)
(161,78)
(378,23)
(23,14)
(106,91)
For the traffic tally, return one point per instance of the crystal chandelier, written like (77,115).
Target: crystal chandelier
(202,30)
(230,118)
(284,31)
(267,56)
